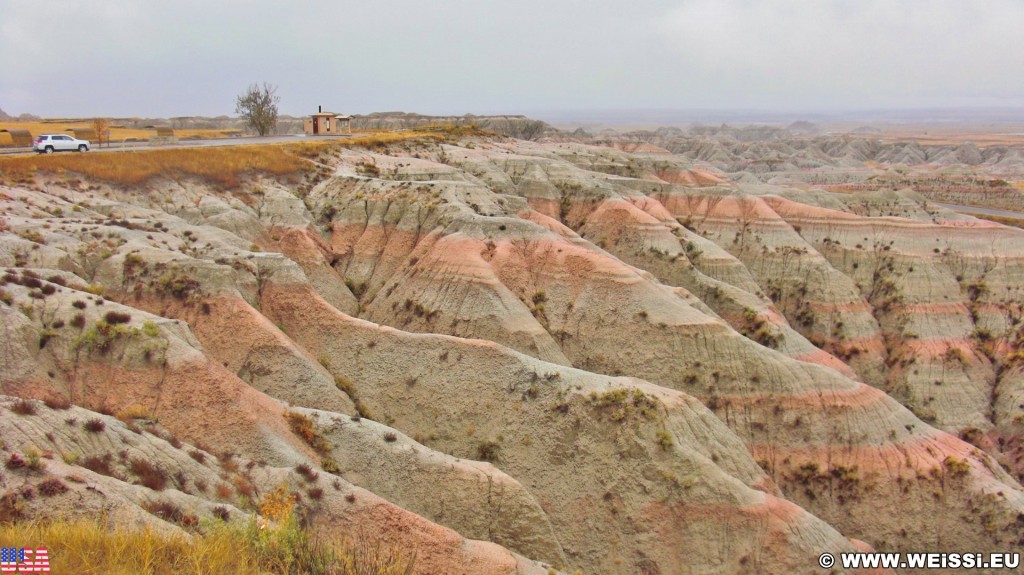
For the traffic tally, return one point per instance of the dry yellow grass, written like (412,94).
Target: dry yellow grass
(225,166)
(220,165)
(85,547)
(117,134)
(1006,221)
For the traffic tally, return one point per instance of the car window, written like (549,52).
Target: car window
(65,138)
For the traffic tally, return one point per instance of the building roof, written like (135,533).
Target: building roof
(331,115)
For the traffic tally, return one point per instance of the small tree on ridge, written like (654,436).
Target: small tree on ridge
(258,105)
(100,126)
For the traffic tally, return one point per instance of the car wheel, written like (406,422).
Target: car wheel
(48,150)
(82,148)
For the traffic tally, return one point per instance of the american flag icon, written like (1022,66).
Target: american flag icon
(24,560)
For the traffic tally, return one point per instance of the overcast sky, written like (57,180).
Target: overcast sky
(192,57)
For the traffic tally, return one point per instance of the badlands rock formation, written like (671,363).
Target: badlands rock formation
(515,356)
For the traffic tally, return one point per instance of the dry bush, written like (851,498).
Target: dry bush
(171,512)
(303,427)
(150,475)
(52,487)
(95,425)
(24,407)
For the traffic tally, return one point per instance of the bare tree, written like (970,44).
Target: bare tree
(258,106)
(100,126)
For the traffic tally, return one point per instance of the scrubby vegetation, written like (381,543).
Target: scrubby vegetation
(224,166)
(304,428)
(88,547)
(621,403)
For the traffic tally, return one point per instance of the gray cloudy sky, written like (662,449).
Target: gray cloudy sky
(192,57)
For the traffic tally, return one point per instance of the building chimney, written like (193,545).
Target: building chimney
(319,109)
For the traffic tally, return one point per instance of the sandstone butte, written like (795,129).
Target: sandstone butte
(514,356)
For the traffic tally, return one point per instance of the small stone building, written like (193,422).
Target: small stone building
(327,123)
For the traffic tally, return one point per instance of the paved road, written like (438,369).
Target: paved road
(977,210)
(127,146)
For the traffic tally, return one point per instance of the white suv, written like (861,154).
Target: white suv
(50,143)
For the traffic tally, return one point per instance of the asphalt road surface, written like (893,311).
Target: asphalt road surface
(977,210)
(146,145)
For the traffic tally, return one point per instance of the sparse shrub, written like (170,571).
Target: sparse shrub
(78,321)
(303,427)
(117,317)
(222,513)
(150,475)
(488,451)
(278,505)
(955,355)
(15,461)
(665,440)
(330,466)
(227,462)
(45,336)
(343,384)
(243,486)
(24,407)
(34,459)
(101,465)
(621,403)
(95,425)
(12,510)
(180,286)
(101,336)
(957,467)
(171,512)
(149,329)
(316,493)
(199,456)
(307,472)
(52,487)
